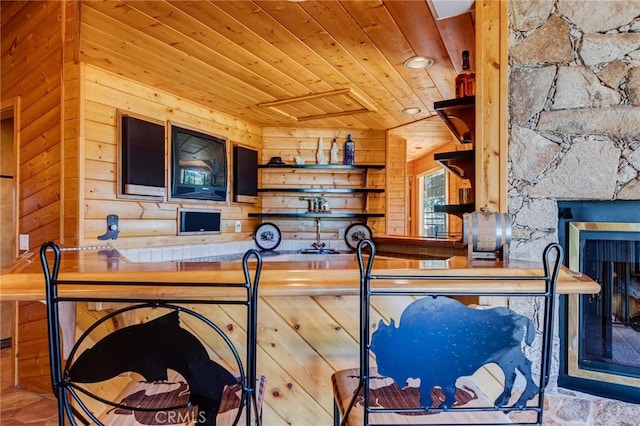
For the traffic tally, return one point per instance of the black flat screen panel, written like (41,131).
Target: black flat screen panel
(143,157)
(199,165)
(245,174)
(199,221)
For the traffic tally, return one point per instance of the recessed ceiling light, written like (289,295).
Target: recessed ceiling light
(418,62)
(412,111)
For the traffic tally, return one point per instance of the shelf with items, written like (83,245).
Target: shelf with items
(324,187)
(334,192)
(332,180)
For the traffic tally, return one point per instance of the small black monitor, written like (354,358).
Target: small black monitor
(199,221)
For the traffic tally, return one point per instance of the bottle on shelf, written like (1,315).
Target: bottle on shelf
(333,158)
(320,157)
(349,151)
(466,79)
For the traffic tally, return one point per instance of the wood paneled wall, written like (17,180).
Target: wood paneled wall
(32,56)
(32,351)
(145,221)
(288,143)
(32,51)
(398,215)
(71,208)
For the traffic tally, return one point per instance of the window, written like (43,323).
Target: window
(433,194)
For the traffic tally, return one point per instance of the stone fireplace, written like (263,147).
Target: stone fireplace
(574,136)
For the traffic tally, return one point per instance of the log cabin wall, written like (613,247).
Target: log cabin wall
(33,79)
(32,56)
(32,358)
(143,220)
(71,136)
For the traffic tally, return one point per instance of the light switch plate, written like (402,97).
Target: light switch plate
(24,242)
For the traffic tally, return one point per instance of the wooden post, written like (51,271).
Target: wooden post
(491,104)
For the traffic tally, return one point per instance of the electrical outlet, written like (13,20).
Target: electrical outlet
(341,233)
(24,242)
(238,226)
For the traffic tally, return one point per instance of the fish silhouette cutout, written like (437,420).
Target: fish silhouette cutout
(152,348)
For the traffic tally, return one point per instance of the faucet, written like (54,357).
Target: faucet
(318,245)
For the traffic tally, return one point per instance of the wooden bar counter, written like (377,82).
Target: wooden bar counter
(284,275)
(418,246)
(307,313)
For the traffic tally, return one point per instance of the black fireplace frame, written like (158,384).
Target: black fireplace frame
(622,211)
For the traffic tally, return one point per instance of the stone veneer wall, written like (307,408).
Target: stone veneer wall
(574,134)
(574,107)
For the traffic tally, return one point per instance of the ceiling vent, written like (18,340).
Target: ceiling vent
(313,106)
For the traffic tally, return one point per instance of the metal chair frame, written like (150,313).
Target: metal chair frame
(552,261)
(71,405)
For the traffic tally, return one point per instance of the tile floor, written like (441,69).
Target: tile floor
(20,407)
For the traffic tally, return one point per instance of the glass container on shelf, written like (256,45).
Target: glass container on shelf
(466,79)
(349,151)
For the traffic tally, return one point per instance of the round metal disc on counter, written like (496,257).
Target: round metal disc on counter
(355,233)
(267,236)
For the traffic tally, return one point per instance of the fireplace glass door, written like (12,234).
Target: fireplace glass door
(604,329)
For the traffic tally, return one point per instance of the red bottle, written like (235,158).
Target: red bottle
(466,79)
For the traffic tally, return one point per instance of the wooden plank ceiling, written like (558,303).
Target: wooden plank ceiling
(287,63)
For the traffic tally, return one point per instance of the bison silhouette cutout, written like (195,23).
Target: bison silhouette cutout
(150,349)
(440,340)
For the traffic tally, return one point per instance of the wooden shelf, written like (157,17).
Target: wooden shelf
(323,190)
(460,163)
(455,209)
(459,115)
(315,215)
(321,166)
(317,188)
